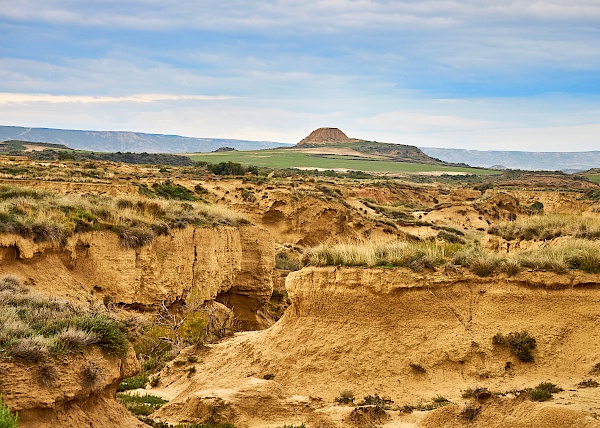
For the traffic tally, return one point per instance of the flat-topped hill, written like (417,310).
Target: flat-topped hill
(325,136)
(330,141)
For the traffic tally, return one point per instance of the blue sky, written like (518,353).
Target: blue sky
(511,75)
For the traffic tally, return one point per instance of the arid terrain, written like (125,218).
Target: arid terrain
(272,298)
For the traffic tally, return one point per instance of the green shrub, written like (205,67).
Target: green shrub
(484,264)
(7,419)
(542,392)
(111,334)
(520,344)
(284,262)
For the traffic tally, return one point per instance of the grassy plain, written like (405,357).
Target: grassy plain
(595,178)
(289,158)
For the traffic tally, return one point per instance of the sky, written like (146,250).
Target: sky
(473,74)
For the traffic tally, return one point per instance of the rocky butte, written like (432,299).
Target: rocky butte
(325,135)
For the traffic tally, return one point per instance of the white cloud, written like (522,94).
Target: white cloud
(291,15)
(16,98)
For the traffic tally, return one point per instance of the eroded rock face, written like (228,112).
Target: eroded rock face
(406,335)
(200,262)
(73,391)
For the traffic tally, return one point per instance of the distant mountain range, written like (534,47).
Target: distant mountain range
(533,161)
(122,141)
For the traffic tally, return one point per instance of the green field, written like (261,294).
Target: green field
(285,158)
(594,178)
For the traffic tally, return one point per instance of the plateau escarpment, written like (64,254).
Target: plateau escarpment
(406,336)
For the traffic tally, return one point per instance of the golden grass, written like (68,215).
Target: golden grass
(370,253)
(568,254)
(549,226)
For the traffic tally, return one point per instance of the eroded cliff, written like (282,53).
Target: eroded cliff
(407,336)
(203,263)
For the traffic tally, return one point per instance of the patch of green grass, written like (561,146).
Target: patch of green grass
(594,178)
(134,382)
(51,217)
(290,158)
(141,404)
(34,328)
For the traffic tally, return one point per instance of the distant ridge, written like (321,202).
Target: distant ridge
(123,141)
(532,161)
(324,136)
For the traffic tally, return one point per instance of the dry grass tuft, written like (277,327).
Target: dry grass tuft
(34,328)
(568,254)
(546,227)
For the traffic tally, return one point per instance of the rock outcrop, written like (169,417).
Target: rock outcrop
(325,136)
(75,391)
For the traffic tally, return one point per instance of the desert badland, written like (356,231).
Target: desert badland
(221,294)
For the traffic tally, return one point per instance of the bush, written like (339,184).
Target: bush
(46,374)
(90,375)
(111,334)
(519,343)
(477,393)
(542,392)
(346,397)
(30,349)
(7,419)
(484,265)
(135,237)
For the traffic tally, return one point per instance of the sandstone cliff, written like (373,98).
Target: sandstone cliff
(205,262)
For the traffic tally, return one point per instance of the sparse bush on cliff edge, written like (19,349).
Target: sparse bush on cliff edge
(520,344)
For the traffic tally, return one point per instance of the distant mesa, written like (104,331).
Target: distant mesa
(325,136)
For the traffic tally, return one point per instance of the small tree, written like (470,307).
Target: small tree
(7,419)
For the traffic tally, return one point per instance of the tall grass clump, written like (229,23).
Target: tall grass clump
(52,217)
(577,254)
(550,226)
(372,253)
(35,328)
